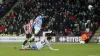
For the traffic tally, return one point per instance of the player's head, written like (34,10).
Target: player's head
(31,21)
(27,22)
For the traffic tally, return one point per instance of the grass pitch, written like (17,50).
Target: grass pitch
(13,49)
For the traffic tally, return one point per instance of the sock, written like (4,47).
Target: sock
(22,46)
(24,42)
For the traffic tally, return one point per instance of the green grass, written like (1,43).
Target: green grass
(7,49)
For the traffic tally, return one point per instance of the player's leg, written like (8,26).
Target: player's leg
(26,40)
(36,31)
(33,46)
(30,35)
(26,48)
(31,39)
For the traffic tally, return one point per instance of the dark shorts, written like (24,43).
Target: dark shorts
(28,35)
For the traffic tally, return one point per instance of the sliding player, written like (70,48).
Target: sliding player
(43,42)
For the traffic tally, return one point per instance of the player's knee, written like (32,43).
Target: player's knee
(31,40)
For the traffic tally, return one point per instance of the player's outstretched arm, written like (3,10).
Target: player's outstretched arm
(53,49)
(48,44)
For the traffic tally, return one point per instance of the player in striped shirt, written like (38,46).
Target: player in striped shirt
(28,32)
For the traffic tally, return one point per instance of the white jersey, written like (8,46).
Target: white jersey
(42,43)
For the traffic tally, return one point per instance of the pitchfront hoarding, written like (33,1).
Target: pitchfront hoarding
(74,39)
(98,40)
(68,39)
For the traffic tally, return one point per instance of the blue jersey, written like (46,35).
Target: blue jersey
(38,22)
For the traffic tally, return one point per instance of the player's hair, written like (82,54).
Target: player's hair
(27,21)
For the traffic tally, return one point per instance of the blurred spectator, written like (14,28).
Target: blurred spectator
(12,15)
(65,17)
(5,6)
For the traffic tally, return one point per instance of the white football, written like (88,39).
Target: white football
(82,42)
(90,7)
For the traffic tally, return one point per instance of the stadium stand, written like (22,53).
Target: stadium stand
(5,6)
(66,17)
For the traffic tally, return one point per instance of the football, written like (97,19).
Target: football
(82,42)
(90,7)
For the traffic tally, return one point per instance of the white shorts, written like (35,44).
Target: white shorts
(33,46)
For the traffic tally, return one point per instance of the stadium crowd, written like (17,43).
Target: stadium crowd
(66,17)
(5,6)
